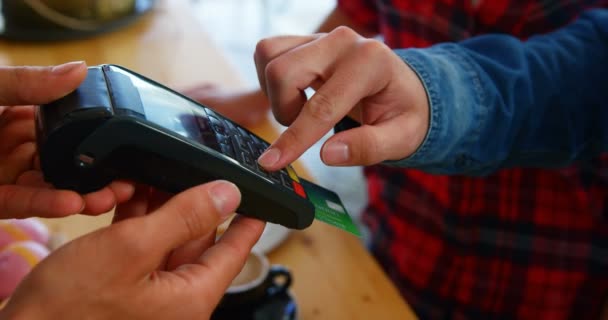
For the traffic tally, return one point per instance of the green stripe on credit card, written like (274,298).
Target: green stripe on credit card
(329,207)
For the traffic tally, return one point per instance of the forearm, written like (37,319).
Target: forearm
(498,102)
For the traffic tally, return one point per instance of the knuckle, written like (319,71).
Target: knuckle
(321,107)
(344,32)
(235,249)
(371,49)
(283,118)
(264,49)
(285,113)
(124,233)
(275,70)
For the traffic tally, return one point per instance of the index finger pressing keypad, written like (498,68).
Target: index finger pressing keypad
(245,148)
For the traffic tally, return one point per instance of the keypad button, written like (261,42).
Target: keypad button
(260,148)
(217,125)
(238,143)
(222,139)
(210,112)
(286,180)
(299,190)
(208,140)
(203,123)
(230,126)
(261,143)
(261,170)
(241,146)
(247,160)
(243,133)
(276,177)
(255,151)
(227,150)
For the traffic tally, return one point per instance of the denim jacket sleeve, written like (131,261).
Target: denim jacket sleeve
(498,102)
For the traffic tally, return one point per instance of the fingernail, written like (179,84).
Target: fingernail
(225,196)
(270,157)
(66,67)
(84,205)
(336,152)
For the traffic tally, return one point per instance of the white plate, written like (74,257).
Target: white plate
(272,237)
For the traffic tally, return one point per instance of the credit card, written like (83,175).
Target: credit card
(329,207)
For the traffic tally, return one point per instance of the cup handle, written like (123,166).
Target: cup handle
(275,273)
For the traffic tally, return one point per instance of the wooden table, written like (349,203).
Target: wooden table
(334,276)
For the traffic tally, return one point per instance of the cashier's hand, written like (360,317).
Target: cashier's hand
(122,272)
(352,76)
(23,192)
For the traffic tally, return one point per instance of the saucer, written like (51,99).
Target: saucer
(282,306)
(272,237)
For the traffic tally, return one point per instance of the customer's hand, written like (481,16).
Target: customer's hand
(246,108)
(352,76)
(123,272)
(23,192)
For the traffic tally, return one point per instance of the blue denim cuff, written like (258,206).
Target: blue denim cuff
(454,92)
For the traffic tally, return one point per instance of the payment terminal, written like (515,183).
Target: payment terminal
(121,125)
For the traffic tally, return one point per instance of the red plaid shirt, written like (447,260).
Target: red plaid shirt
(518,244)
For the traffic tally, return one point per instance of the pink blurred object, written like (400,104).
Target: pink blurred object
(16,261)
(14,230)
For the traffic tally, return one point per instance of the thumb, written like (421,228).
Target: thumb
(187,216)
(37,85)
(371,144)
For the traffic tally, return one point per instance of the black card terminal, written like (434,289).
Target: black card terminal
(121,125)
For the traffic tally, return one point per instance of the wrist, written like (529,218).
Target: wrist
(455,110)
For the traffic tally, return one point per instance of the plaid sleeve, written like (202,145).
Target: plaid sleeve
(364,13)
